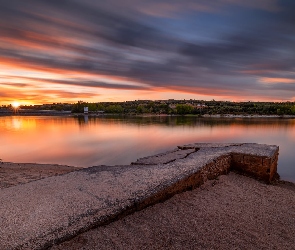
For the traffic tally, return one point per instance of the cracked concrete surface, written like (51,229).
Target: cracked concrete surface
(41,213)
(166,157)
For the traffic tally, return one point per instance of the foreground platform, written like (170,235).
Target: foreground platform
(41,213)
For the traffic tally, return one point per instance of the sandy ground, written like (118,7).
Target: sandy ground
(12,174)
(233,212)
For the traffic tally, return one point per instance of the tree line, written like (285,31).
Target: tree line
(172,107)
(182,107)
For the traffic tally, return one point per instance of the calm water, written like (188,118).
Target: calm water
(92,141)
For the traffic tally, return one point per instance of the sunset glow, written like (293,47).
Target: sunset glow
(85,50)
(15,105)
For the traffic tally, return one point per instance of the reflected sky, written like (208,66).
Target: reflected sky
(87,141)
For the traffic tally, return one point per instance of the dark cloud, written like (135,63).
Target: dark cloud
(133,40)
(86,83)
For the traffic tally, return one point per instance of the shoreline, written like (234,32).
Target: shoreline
(69,114)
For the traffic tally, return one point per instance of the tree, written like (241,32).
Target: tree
(114,109)
(141,109)
(79,107)
(92,106)
(183,109)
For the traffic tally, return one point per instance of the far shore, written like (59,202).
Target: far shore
(95,114)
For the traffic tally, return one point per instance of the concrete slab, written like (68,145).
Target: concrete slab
(209,145)
(165,158)
(38,214)
(244,148)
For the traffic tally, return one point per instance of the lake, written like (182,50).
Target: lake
(88,141)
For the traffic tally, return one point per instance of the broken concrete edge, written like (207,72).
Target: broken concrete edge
(259,165)
(166,157)
(209,145)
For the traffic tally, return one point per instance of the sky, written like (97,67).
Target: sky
(95,51)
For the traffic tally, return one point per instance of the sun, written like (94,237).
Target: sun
(15,105)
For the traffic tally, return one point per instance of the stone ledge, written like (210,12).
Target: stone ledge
(39,214)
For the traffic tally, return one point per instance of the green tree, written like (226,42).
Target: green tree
(79,107)
(141,109)
(92,106)
(183,109)
(117,109)
(100,107)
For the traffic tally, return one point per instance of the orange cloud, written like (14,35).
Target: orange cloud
(276,80)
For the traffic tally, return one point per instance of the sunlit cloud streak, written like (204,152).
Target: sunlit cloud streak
(223,49)
(277,80)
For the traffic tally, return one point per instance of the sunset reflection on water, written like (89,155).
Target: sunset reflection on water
(88,141)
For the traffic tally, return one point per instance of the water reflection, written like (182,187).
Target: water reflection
(87,141)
